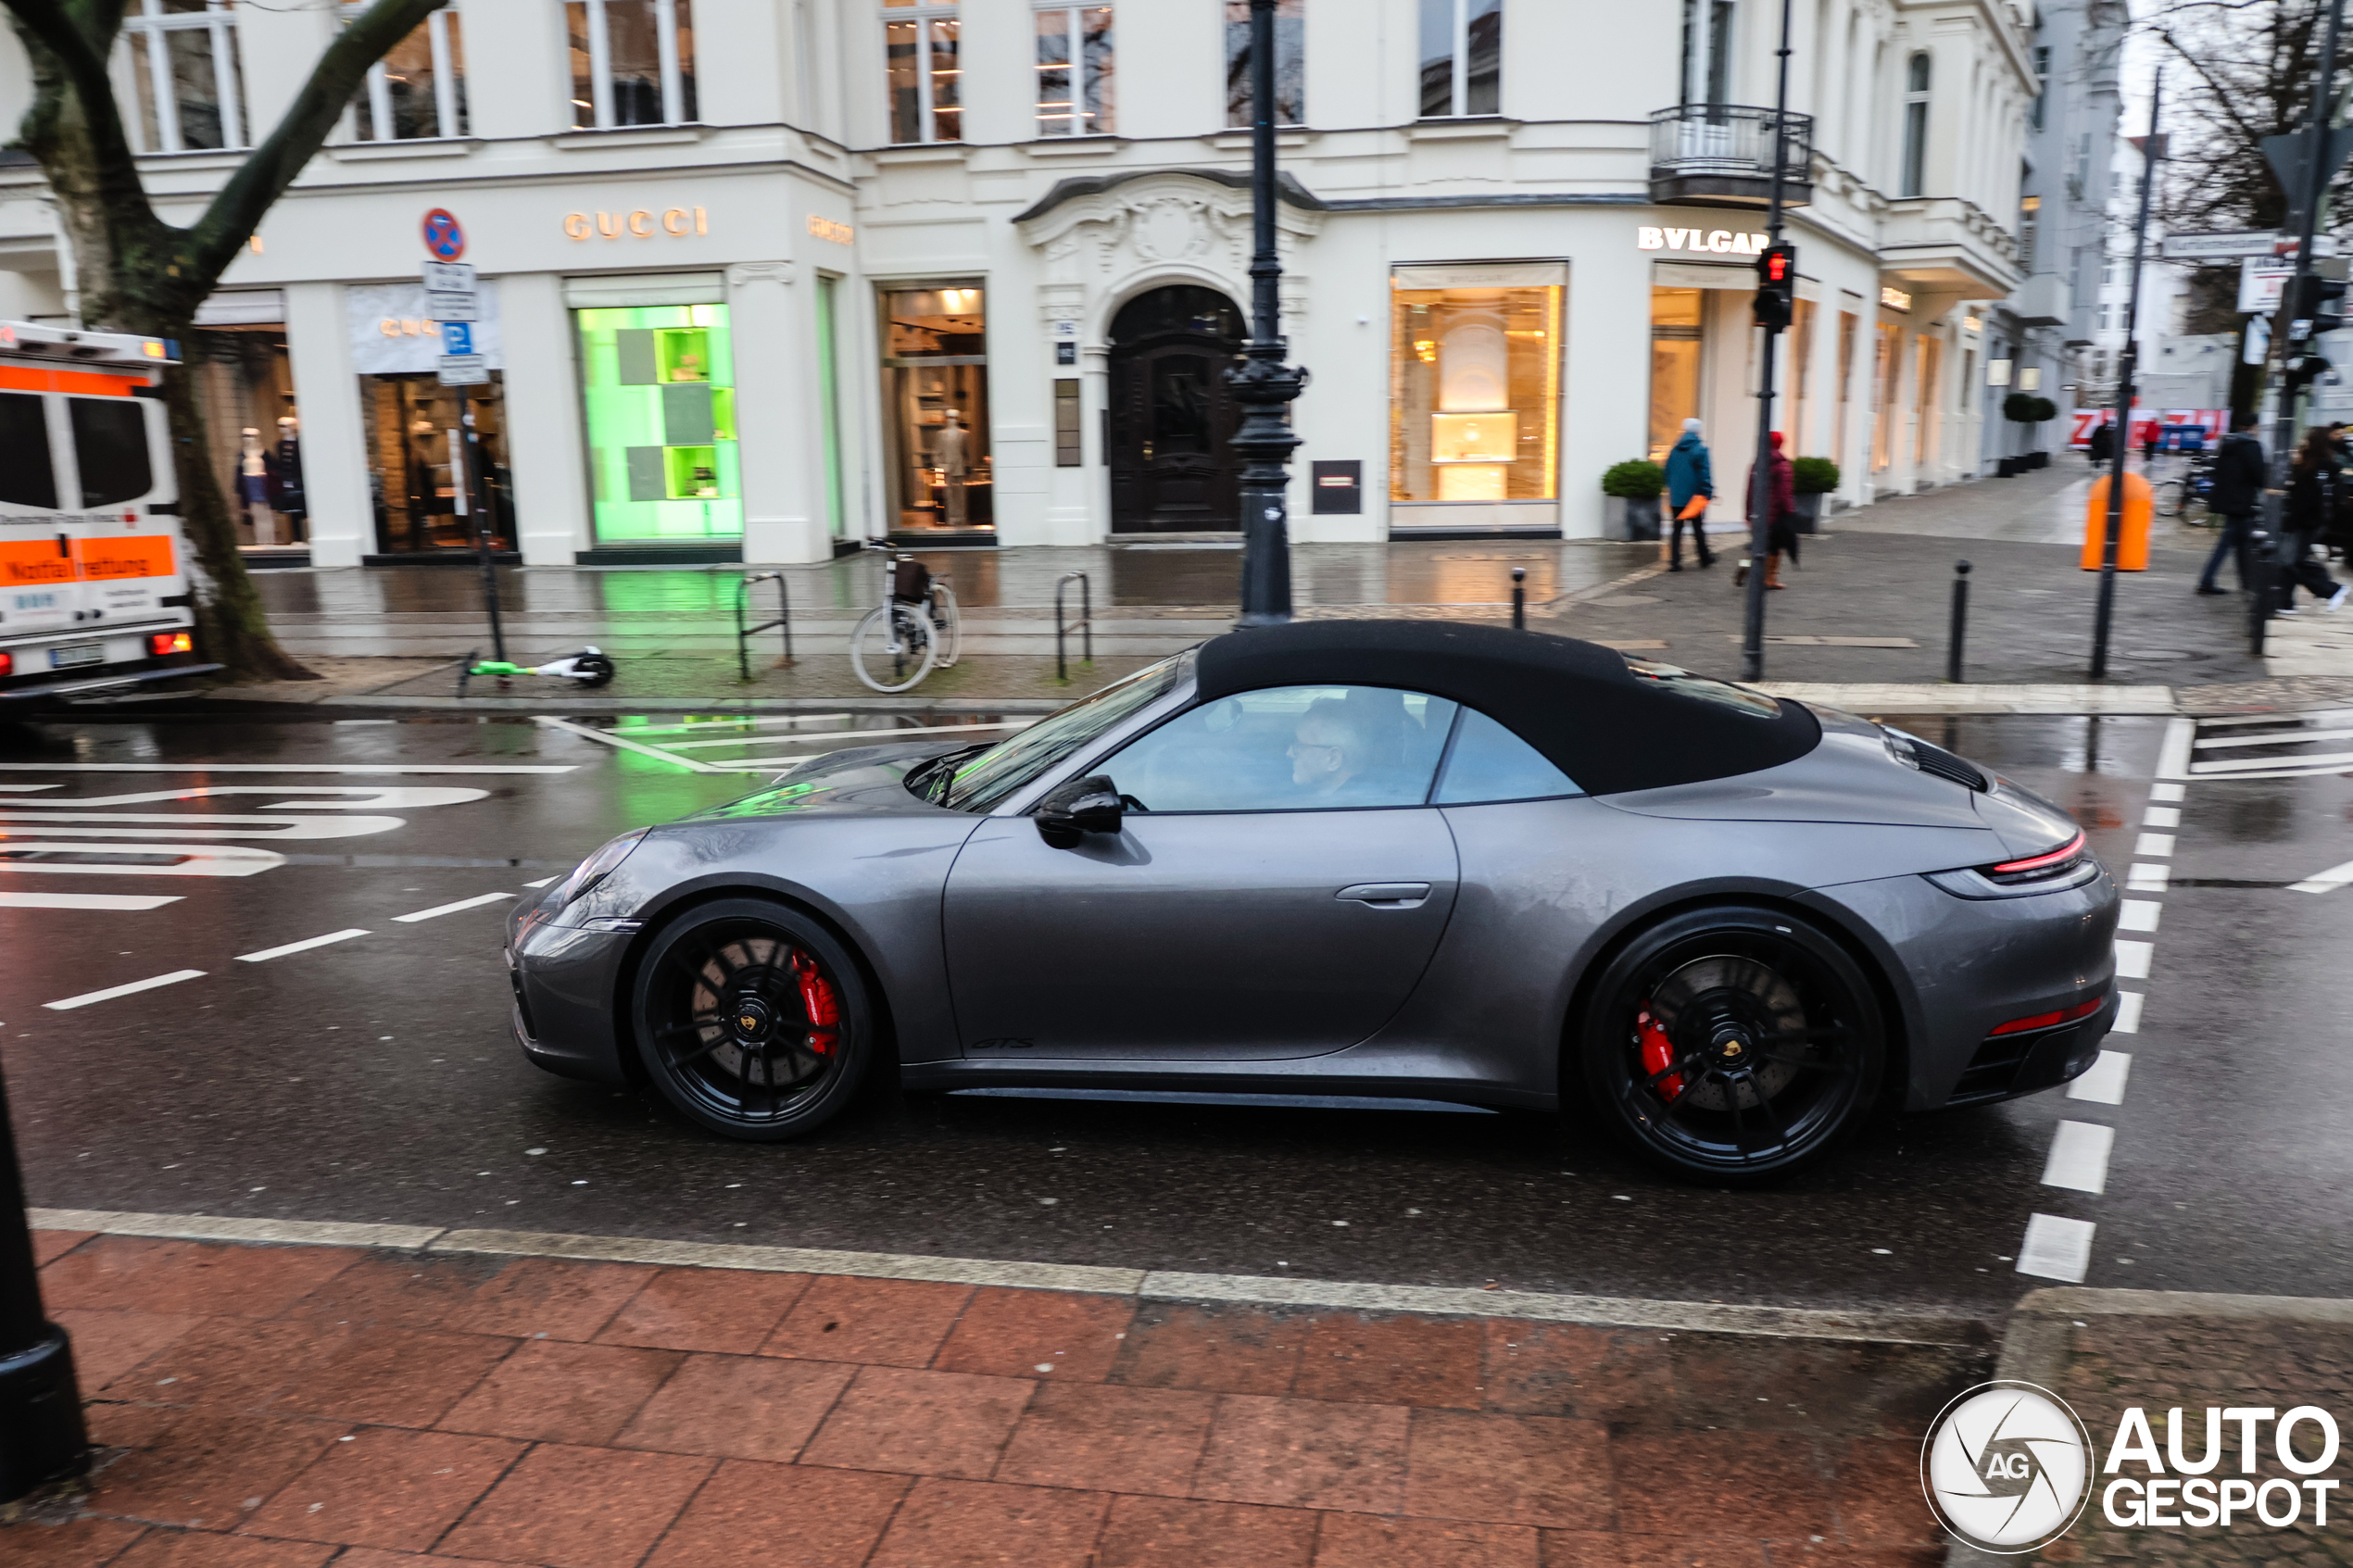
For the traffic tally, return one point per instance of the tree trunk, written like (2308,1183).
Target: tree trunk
(235,627)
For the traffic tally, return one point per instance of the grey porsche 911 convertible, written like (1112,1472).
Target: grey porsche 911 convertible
(1363,858)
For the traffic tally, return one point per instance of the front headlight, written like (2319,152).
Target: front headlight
(597,867)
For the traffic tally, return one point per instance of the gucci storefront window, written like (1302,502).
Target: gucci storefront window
(1475,364)
(414,426)
(658,391)
(936,410)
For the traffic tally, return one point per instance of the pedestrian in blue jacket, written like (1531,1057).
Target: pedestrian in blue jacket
(1691,484)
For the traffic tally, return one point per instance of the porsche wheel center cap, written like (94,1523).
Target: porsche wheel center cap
(752,1017)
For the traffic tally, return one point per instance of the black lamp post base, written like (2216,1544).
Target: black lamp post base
(1265,558)
(42,1435)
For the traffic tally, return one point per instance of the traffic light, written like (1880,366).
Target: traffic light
(2319,300)
(1776,286)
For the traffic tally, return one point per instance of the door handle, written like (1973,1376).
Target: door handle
(1387,894)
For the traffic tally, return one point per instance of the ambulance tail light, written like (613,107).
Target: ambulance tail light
(7,663)
(162,644)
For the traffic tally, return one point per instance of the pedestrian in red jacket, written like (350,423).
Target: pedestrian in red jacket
(1781,532)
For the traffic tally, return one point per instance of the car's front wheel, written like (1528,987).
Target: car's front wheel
(752,1019)
(1733,1043)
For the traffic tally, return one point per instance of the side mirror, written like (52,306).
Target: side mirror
(1079,807)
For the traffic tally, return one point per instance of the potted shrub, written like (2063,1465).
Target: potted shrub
(2026,409)
(1810,480)
(1632,489)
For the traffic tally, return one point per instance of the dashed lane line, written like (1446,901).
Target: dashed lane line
(2158,843)
(2285,737)
(621,743)
(121,903)
(2147,877)
(2128,1012)
(2078,1157)
(541,883)
(475,902)
(287,768)
(2328,881)
(302,946)
(2056,1248)
(2104,1084)
(2133,959)
(2139,914)
(111,992)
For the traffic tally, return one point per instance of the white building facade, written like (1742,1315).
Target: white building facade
(763,276)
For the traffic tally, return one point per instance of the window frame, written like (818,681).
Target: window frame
(922,15)
(1912,178)
(1085,71)
(149,25)
(448,85)
(1238,93)
(1458,60)
(670,64)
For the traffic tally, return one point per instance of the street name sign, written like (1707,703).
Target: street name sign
(2216,247)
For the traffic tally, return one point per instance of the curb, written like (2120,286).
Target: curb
(1144,1284)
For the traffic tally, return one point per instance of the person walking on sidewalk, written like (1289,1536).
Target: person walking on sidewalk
(1691,484)
(2102,448)
(1781,531)
(2240,471)
(2315,484)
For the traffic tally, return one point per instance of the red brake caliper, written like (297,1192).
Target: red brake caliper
(1657,1052)
(817,998)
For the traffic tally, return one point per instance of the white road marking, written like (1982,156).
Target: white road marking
(2133,959)
(2324,761)
(191,824)
(2147,878)
(195,860)
(2139,914)
(2161,817)
(2165,791)
(286,768)
(452,909)
(2174,756)
(2286,737)
(304,946)
(2280,771)
(124,902)
(2127,1013)
(2078,1157)
(370,797)
(2328,881)
(621,744)
(111,992)
(2104,1085)
(2056,1248)
(709,724)
(2157,844)
(541,883)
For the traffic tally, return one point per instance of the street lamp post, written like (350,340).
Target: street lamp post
(42,1437)
(1760,539)
(2127,367)
(1263,383)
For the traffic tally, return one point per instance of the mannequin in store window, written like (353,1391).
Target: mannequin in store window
(286,478)
(253,487)
(951,450)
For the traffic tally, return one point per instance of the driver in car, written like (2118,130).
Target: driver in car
(1338,756)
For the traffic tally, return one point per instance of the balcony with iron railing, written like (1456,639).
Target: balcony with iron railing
(1721,154)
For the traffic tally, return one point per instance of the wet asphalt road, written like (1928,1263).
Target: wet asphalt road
(373,1078)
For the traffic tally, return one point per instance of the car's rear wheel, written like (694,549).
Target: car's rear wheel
(752,1019)
(1733,1043)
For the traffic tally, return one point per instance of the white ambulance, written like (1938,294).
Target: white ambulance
(94,585)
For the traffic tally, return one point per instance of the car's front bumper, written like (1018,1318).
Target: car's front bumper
(1961,968)
(568,1009)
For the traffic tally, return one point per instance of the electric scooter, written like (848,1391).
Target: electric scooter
(590,667)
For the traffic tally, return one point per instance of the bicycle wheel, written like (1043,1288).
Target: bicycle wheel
(893,647)
(948,626)
(2169,498)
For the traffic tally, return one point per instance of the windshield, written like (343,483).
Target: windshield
(1682,683)
(987,778)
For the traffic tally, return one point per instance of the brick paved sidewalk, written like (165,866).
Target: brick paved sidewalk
(291,1407)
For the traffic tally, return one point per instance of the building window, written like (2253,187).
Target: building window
(1928,365)
(633,63)
(658,387)
(1847,322)
(2030,222)
(1462,57)
(181,58)
(417,92)
(919,51)
(1915,125)
(1708,51)
(1070,446)
(1888,368)
(1801,375)
(1290,62)
(1077,87)
(2042,82)
(1474,392)
(936,407)
(1678,342)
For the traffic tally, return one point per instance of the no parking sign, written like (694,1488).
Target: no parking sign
(445,236)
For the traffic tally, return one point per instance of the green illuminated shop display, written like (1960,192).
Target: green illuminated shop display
(658,385)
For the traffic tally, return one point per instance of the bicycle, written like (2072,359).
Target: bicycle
(916,630)
(2184,496)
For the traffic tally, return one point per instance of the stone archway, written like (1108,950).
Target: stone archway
(1173,469)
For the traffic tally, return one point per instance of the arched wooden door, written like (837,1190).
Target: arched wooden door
(1173,468)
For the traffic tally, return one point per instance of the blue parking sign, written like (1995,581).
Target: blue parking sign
(457,337)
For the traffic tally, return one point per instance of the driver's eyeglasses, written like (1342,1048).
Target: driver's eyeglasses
(1299,745)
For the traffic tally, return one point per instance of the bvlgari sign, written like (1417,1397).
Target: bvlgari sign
(1698,242)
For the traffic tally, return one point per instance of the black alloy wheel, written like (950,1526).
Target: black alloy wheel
(753,1020)
(1733,1045)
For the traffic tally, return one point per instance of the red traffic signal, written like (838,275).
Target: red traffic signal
(1776,286)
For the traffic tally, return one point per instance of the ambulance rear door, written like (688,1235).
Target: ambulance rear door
(40,591)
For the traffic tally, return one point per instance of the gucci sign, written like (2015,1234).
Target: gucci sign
(826,228)
(642,224)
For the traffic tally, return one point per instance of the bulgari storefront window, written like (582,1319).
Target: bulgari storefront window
(1475,362)
(658,395)
(936,408)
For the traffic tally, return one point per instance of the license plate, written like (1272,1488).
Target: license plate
(68,658)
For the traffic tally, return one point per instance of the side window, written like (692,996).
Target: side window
(1290,748)
(110,450)
(1488,762)
(28,478)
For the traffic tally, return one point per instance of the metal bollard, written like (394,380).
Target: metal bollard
(1086,623)
(1519,598)
(2262,570)
(744,633)
(1960,633)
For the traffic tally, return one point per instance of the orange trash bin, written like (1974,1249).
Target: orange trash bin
(2133,538)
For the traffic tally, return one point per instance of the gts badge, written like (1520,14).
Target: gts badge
(1005,1043)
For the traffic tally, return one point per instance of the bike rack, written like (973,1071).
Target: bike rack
(744,633)
(1085,624)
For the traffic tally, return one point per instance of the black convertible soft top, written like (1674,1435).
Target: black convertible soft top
(1580,703)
